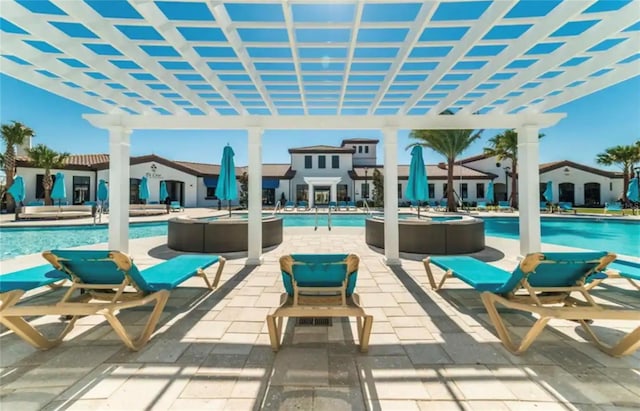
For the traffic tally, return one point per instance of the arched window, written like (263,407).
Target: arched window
(592,194)
(566,193)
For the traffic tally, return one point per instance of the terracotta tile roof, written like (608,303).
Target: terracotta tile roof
(567,163)
(322,149)
(434,171)
(359,140)
(85,160)
(272,170)
(201,168)
(473,158)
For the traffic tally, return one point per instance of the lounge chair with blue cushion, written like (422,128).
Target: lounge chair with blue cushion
(176,206)
(35,203)
(628,270)
(617,206)
(303,205)
(342,205)
(333,205)
(319,285)
(351,206)
(566,207)
(543,207)
(481,206)
(542,284)
(289,206)
(13,286)
(504,206)
(111,282)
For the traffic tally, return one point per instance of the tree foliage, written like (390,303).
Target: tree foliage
(13,134)
(378,188)
(244,189)
(626,157)
(44,157)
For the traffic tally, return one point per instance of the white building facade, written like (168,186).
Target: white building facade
(323,174)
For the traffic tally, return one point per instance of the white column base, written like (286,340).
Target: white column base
(254,261)
(392,262)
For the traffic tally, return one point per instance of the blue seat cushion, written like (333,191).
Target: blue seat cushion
(320,270)
(171,273)
(478,274)
(627,269)
(30,278)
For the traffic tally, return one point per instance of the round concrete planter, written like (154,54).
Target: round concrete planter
(431,237)
(219,236)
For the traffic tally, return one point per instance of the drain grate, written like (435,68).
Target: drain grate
(314,322)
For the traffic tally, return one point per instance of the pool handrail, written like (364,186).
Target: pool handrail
(277,207)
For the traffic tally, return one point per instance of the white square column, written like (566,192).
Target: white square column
(391,231)
(119,153)
(311,193)
(529,188)
(254,247)
(334,192)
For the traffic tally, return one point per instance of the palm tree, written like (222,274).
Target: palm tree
(624,156)
(449,143)
(43,157)
(14,134)
(505,146)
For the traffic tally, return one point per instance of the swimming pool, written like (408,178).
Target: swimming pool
(619,236)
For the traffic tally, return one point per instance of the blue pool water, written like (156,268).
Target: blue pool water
(622,237)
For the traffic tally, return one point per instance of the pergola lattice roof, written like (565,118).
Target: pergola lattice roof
(295,58)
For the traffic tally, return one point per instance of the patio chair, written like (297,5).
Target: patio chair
(333,205)
(111,282)
(617,206)
(176,206)
(35,203)
(504,206)
(442,205)
(303,205)
(618,269)
(351,206)
(289,206)
(566,207)
(13,286)
(481,206)
(342,205)
(319,285)
(542,284)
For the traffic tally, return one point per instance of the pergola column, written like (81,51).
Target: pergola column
(255,197)
(334,192)
(391,232)
(311,195)
(529,188)
(119,151)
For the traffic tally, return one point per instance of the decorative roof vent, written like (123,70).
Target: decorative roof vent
(442,166)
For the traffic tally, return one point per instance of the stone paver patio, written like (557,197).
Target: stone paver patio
(428,350)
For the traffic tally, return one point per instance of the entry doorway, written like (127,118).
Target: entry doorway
(322,195)
(175,189)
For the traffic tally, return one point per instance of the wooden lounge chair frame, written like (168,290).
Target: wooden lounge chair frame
(555,303)
(327,302)
(97,299)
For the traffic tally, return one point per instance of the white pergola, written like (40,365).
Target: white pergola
(307,64)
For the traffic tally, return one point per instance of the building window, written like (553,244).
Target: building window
(444,190)
(39,188)
(480,190)
(432,190)
(134,191)
(322,161)
(359,149)
(302,192)
(308,162)
(211,194)
(366,149)
(364,189)
(464,190)
(81,189)
(399,190)
(335,161)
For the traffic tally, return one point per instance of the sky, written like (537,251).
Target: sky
(603,119)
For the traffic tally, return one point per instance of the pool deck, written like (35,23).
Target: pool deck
(428,350)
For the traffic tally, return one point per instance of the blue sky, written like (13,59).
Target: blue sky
(604,119)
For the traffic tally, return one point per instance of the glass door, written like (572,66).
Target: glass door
(322,195)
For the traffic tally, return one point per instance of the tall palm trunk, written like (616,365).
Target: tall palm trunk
(451,202)
(47,183)
(625,185)
(514,183)
(10,170)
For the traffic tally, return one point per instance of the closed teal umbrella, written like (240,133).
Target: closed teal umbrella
(632,190)
(548,192)
(103,194)
(227,188)
(17,189)
(163,191)
(417,188)
(143,190)
(59,191)
(489,193)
